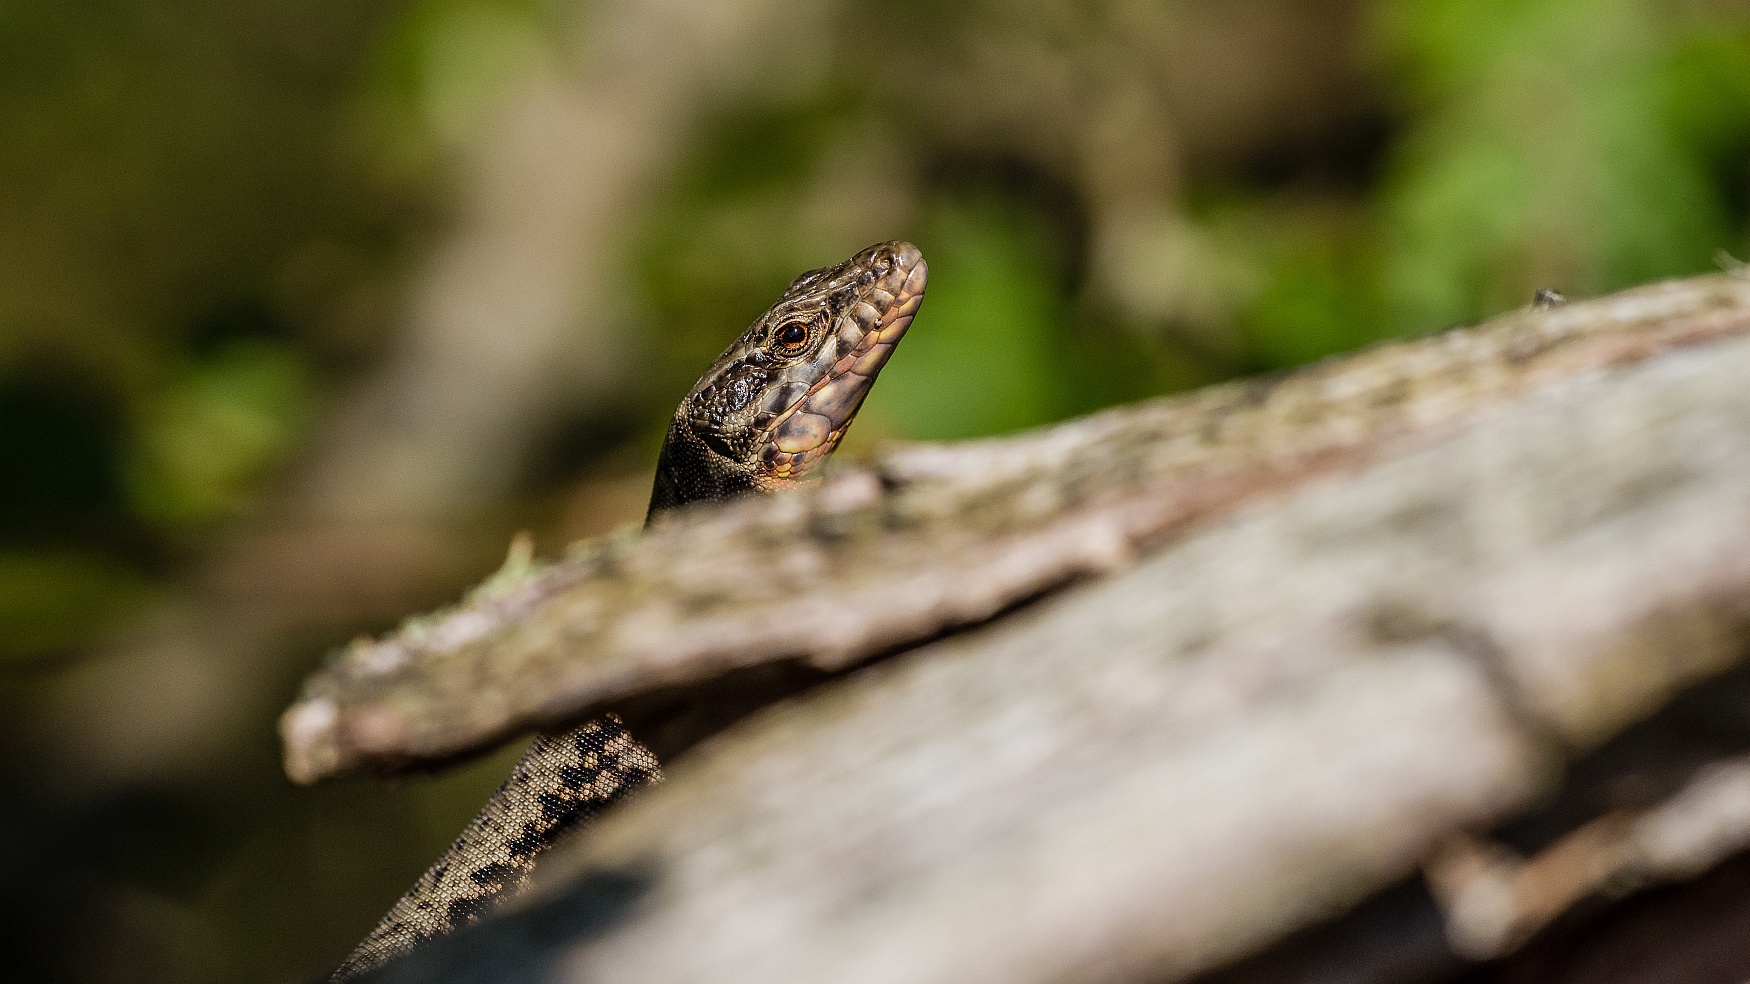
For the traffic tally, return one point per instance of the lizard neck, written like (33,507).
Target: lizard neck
(688,470)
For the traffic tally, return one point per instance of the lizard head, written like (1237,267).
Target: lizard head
(775,404)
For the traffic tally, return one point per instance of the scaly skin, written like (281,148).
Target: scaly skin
(768,412)
(766,415)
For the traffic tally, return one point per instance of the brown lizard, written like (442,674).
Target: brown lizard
(762,418)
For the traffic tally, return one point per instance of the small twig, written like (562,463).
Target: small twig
(1495,900)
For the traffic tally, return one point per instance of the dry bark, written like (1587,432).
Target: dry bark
(1341,619)
(933,537)
(1150,775)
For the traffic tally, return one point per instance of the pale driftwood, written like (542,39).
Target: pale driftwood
(1144,776)
(933,537)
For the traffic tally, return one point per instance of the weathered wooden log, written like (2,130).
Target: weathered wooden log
(1338,619)
(937,536)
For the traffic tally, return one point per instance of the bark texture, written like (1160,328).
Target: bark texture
(1283,643)
(936,536)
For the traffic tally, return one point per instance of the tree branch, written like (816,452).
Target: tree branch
(932,537)
(1244,730)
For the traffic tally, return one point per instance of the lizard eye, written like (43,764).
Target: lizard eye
(790,339)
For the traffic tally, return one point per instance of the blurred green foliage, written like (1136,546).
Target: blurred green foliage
(1591,144)
(194,240)
(444,67)
(205,439)
(998,369)
(50,601)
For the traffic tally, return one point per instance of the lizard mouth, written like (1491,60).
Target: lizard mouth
(807,431)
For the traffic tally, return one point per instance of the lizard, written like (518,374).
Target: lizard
(764,417)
